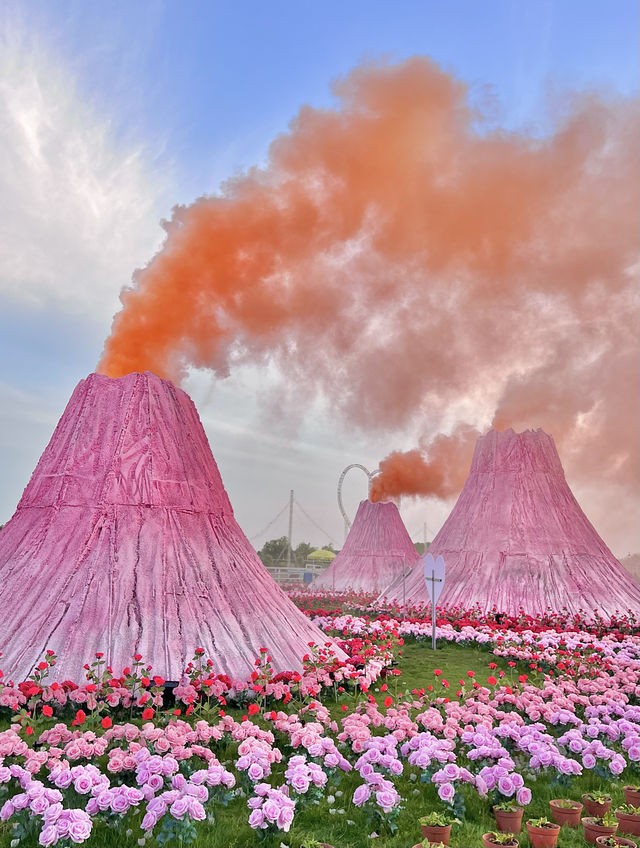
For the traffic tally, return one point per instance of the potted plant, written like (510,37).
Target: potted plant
(594,827)
(543,833)
(564,811)
(628,819)
(508,817)
(491,839)
(632,795)
(426,844)
(596,805)
(313,843)
(615,842)
(436,827)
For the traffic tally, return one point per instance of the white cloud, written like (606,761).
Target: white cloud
(80,206)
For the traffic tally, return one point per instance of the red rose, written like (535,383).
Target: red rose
(388,701)
(253,709)
(147,714)
(47,711)
(106,722)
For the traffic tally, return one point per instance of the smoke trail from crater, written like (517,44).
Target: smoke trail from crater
(400,247)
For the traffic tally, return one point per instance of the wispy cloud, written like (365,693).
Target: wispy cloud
(80,205)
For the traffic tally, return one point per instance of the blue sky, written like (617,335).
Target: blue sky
(111,113)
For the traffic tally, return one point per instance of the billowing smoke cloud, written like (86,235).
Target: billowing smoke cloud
(397,248)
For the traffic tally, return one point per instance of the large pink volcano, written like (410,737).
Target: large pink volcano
(377,550)
(518,538)
(125,542)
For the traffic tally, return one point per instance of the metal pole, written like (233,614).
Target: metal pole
(290,528)
(433,610)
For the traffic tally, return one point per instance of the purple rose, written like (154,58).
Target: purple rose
(523,796)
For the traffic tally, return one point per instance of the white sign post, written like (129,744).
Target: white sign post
(434,578)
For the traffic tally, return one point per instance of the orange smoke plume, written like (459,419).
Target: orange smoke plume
(400,247)
(412,473)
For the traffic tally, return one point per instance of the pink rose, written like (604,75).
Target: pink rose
(361,795)
(180,807)
(82,784)
(446,792)
(255,772)
(119,802)
(196,810)
(271,810)
(149,821)
(256,819)
(80,829)
(285,818)
(48,835)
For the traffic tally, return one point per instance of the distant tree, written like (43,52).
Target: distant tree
(274,551)
(421,547)
(329,547)
(302,552)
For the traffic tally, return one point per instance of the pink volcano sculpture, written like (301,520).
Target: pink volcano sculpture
(125,542)
(518,538)
(377,550)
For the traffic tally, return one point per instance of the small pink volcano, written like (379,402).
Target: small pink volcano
(517,538)
(125,542)
(377,550)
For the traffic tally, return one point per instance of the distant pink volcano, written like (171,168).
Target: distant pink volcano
(125,542)
(376,551)
(518,538)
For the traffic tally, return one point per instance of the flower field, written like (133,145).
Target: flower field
(349,753)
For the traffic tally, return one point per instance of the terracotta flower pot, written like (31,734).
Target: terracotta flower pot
(543,837)
(569,816)
(628,823)
(592,830)
(595,809)
(508,822)
(621,842)
(435,833)
(632,796)
(487,842)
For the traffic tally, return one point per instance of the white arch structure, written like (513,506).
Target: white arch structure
(370,476)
